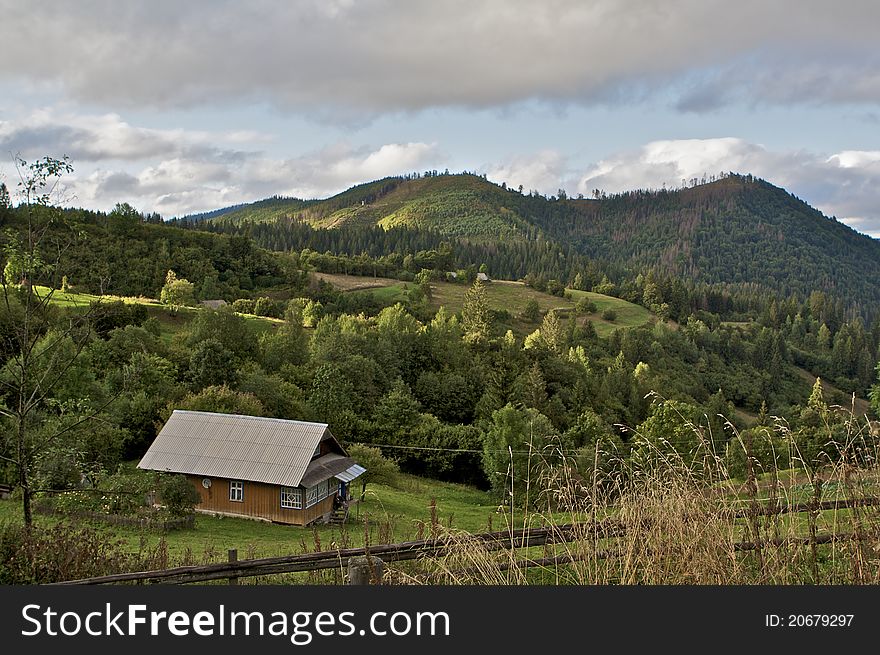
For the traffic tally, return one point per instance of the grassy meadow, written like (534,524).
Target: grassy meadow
(389,513)
(504,295)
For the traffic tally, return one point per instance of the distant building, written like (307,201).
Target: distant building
(213,304)
(273,469)
(483,277)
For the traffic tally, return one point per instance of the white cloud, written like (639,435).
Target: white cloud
(375,56)
(544,172)
(90,138)
(855,158)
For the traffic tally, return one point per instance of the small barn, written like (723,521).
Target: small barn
(278,470)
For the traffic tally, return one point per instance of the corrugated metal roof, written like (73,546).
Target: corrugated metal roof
(270,450)
(352,472)
(324,468)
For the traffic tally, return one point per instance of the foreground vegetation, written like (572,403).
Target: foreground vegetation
(666,521)
(521,390)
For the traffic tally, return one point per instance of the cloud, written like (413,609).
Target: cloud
(544,171)
(845,184)
(92,138)
(355,59)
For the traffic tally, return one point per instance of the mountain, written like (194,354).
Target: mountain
(451,205)
(738,230)
(735,230)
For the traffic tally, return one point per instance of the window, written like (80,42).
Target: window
(311,496)
(236,491)
(291,497)
(317,493)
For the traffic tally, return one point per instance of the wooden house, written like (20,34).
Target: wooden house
(267,468)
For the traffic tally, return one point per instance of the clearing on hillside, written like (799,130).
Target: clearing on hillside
(509,296)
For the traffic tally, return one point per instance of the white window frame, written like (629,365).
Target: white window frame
(312,496)
(236,491)
(291,497)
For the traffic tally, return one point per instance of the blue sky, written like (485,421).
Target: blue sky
(185,107)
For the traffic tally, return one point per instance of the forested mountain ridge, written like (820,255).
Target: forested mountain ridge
(737,230)
(461,205)
(121,253)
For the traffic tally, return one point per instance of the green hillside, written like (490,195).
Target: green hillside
(450,205)
(509,300)
(737,231)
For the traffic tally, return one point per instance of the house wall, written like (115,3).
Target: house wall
(260,500)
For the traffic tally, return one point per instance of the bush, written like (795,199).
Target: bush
(265,306)
(124,492)
(609,315)
(58,469)
(107,316)
(555,288)
(380,469)
(178,494)
(41,555)
(586,306)
(243,306)
(770,453)
(531,312)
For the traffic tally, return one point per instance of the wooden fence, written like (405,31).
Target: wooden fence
(517,539)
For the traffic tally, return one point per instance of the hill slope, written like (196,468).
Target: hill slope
(737,230)
(451,205)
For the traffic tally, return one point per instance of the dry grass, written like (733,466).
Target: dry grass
(677,522)
(356,282)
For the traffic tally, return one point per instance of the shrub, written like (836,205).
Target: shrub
(609,315)
(265,306)
(58,469)
(178,494)
(124,492)
(243,306)
(586,306)
(532,311)
(40,555)
(380,469)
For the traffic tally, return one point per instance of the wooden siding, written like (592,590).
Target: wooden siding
(260,500)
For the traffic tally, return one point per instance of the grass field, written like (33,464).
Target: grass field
(171,321)
(392,514)
(514,296)
(83,300)
(356,282)
(504,295)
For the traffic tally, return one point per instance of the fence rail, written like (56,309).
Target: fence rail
(410,550)
(333,559)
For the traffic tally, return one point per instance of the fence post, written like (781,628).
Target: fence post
(365,570)
(233,557)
